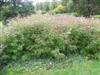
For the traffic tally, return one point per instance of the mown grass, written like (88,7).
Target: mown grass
(72,66)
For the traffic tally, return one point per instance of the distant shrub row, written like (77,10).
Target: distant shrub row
(40,41)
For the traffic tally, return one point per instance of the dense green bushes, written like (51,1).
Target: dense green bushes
(35,41)
(40,41)
(83,42)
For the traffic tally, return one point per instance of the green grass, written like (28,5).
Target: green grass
(97,16)
(1,24)
(72,66)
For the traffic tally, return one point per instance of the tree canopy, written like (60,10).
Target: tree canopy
(12,8)
(83,7)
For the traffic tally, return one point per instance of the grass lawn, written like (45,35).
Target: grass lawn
(65,67)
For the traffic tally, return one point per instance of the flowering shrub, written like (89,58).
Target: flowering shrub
(32,42)
(41,41)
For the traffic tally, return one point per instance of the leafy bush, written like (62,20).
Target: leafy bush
(40,41)
(82,41)
(29,42)
(59,9)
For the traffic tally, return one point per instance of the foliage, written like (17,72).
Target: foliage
(8,10)
(36,42)
(77,42)
(87,7)
(47,5)
(40,41)
(83,7)
(59,9)
(43,6)
(68,5)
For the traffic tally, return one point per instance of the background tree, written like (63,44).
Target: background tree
(43,6)
(87,7)
(54,4)
(12,8)
(64,3)
(47,6)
